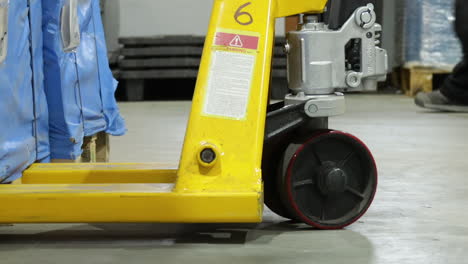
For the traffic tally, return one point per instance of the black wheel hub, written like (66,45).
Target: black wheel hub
(331,179)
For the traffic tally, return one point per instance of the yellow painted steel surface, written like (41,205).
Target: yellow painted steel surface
(236,64)
(118,203)
(88,173)
(237,136)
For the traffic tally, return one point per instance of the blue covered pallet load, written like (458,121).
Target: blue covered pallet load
(23,106)
(79,84)
(430,39)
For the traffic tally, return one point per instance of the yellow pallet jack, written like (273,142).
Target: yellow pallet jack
(236,144)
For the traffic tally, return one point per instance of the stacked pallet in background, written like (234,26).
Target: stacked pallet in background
(414,79)
(431,48)
(175,57)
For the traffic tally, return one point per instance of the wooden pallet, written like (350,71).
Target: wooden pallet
(96,148)
(414,79)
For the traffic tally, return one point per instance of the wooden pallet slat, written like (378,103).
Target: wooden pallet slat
(163,41)
(175,62)
(174,51)
(159,74)
(415,79)
(162,51)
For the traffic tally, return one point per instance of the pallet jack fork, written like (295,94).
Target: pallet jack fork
(321,177)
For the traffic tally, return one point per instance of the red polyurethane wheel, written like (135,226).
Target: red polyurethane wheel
(329,180)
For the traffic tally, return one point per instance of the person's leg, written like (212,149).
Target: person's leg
(456,86)
(461,23)
(454,91)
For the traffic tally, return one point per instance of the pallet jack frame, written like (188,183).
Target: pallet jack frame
(219,178)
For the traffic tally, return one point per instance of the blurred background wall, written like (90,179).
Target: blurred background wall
(143,18)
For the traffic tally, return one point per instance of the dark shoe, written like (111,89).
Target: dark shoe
(437,101)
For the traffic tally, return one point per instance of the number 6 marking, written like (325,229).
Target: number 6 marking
(238,14)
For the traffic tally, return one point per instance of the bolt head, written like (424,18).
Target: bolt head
(208,155)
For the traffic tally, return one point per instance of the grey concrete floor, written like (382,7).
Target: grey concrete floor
(419,215)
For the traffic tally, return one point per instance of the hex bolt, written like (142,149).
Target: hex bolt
(208,155)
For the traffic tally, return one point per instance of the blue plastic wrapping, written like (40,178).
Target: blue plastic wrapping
(79,85)
(22,105)
(62,88)
(40,102)
(93,51)
(430,39)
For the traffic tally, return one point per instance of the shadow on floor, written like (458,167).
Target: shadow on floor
(166,233)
